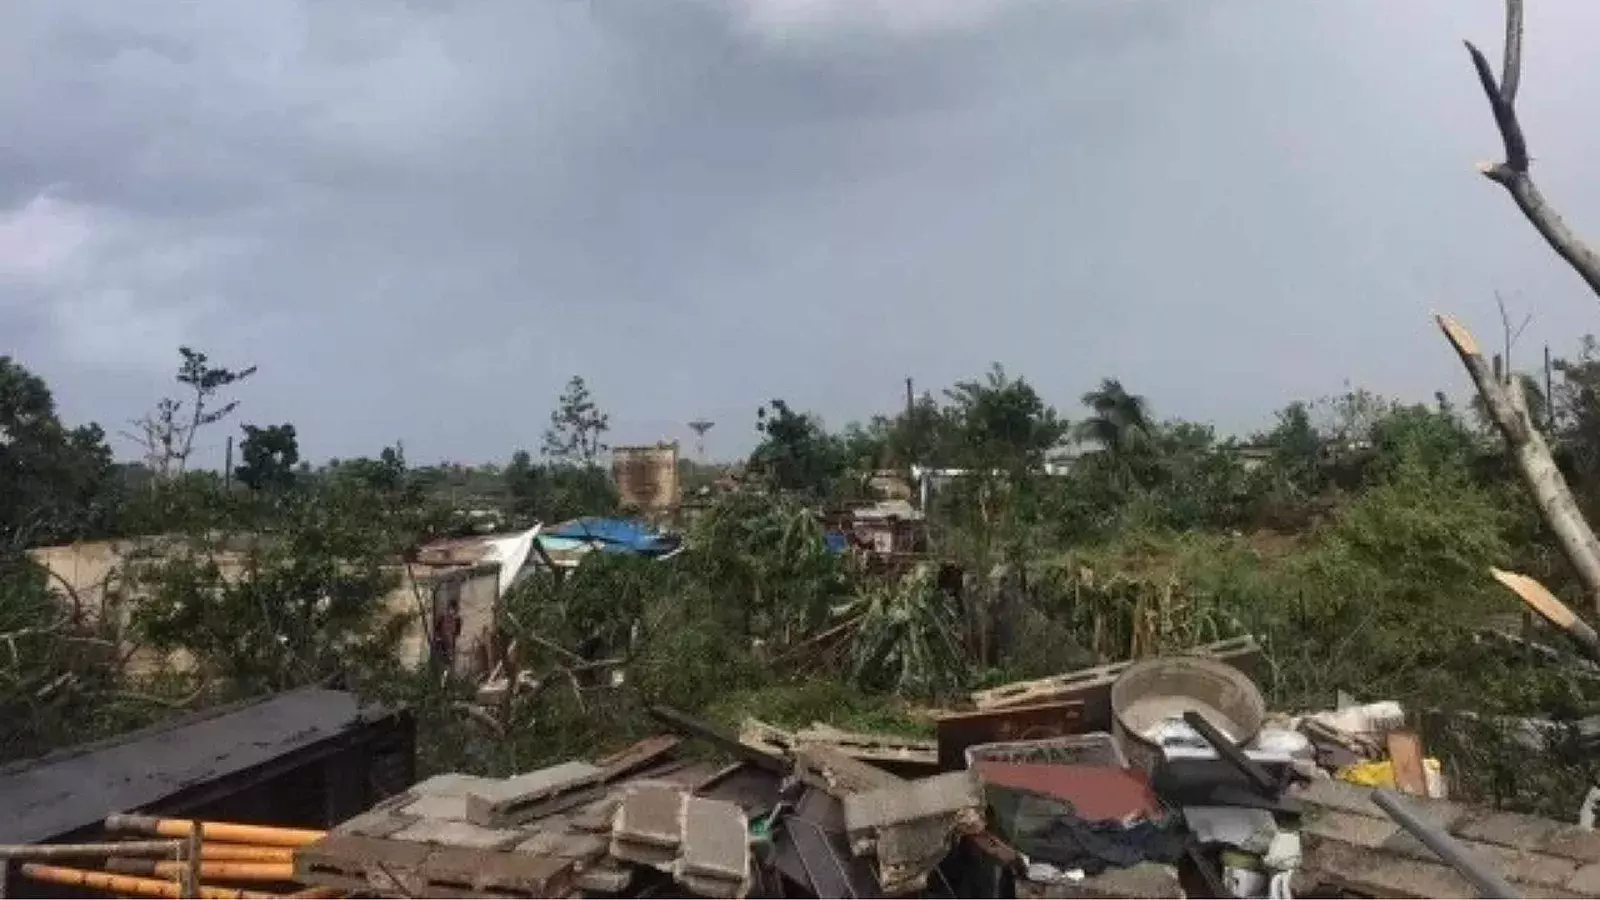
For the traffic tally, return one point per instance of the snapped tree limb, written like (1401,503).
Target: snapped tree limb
(1509,411)
(1512,173)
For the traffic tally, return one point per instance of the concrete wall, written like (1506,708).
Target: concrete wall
(647,477)
(91,570)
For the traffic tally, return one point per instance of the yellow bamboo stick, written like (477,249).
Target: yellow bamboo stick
(220,870)
(128,884)
(235,832)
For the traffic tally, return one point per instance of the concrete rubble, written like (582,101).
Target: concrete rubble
(1034,806)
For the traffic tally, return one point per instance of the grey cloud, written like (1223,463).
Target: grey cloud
(420,218)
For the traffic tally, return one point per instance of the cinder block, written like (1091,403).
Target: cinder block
(652,816)
(827,769)
(531,794)
(1586,881)
(375,823)
(447,833)
(1331,793)
(716,840)
(343,861)
(579,845)
(1348,828)
(1575,844)
(597,816)
(1507,829)
(450,784)
(452,872)
(605,879)
(441,807)
(941,795)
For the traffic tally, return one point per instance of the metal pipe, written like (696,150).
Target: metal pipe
(1484,880)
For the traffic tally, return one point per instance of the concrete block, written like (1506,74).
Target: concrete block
(531,794)
(1349,828)
(827,769)
(716,840)
(578,845)
(1251,830)
(453,872)
(343,861)
(448,833)
(941,795)
(702,886)
(1574,843)
(1507,829)
(450,784)
(653,816)
(642,853)
(375,823)
(605,879)
(443,807)
(1339,795)
(1585,881)
(597,816)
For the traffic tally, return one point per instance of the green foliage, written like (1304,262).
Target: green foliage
(577,428)
(907,637)
(796,454)
(1391,589)
(797,704)
(1001,423)
(269,456)
(555,493)
(55,482)
(766,566)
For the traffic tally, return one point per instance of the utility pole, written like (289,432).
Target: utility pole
(1549,395)
(910,399)
(227,455)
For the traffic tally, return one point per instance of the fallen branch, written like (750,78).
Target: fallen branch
(1545,604)
(1512,173)
(1509,410)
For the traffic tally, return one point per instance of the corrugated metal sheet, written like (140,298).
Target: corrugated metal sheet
(647,477)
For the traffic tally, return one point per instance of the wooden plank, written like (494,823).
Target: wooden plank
(958,731)
(1405,754)
(642,754)
(697,728)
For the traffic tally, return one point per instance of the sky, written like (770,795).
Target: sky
(419,218)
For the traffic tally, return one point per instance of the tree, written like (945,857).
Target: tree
(1557,505)
(1001,423)
(167,434)
(577,427)
(269,455)
(55,481)
(796,453)
(1119,419)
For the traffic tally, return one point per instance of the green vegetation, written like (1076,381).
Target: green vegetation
(1354,540)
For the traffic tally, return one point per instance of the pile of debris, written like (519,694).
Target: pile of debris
(1163,778)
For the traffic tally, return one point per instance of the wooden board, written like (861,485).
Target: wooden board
(1405,754)
(958,731)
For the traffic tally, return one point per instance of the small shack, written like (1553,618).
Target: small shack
(308,758)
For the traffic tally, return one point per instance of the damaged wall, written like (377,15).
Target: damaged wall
(647,477)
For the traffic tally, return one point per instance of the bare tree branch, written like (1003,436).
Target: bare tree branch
(1508,409)
(1512,174)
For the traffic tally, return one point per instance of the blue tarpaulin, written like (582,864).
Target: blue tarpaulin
(616,535)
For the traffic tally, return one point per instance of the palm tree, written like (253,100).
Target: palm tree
(1119,417)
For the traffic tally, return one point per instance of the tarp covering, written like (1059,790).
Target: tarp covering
(615,535)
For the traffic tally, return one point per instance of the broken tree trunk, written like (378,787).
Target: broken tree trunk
(1543,478)
(1512,173)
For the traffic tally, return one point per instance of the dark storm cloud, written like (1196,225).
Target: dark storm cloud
(420,218)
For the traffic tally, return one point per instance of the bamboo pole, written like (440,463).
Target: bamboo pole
(222,871)
(258,835)
(129,884)
(320,893)
(81,851)
(189,869)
